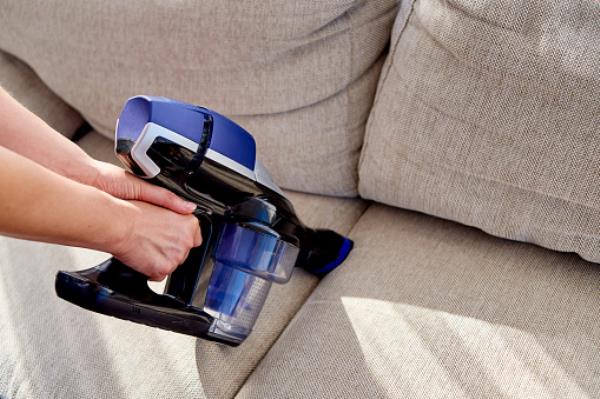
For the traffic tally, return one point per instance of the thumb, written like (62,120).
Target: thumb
(163,197)
(197,236)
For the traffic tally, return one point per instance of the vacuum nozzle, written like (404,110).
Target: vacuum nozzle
(251,234)
(325,251)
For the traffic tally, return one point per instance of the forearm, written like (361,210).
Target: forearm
(26,134)
(38,204)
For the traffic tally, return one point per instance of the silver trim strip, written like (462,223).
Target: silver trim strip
(150,132)
(264,178)
(116,132)
(230,163)
(259,175)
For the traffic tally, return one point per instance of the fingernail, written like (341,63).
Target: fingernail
(190,206)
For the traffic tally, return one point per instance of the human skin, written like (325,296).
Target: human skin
(52,191)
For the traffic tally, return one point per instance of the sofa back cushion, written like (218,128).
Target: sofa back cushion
(488,113)
(300,76)
(23,84)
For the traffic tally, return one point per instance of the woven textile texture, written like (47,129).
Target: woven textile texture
(426,308)
(52,349)
(23,84)
(300,76)
(488,113)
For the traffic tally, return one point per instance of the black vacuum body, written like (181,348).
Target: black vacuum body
(251,234)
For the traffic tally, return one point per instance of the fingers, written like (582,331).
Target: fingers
(157,277)
(127,186)
(165,269)
(164,198)
(161,241)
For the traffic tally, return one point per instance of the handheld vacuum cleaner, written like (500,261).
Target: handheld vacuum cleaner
(251,234)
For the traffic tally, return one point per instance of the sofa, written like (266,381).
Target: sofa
(456,142)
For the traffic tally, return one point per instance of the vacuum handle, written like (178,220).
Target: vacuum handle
(121,278)
(110,281)
(115,289)
(182,283)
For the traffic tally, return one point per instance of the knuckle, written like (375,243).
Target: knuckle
(182,257)
(157,274)
(173,268)
(164,269)
(168,196)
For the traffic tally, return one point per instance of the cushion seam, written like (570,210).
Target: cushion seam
(306,300)
(380,87)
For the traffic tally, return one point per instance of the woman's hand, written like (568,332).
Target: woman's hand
(156,240)
(122,184)
(38,204)
(51,190)
(29,136)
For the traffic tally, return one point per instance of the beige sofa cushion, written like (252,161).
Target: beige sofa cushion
(299,75)
(24,85)
(52,349)
(426,308)
(488,113)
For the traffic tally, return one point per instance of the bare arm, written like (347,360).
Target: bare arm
(38,204)
(24,133)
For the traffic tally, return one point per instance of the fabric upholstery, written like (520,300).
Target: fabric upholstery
(426,308)
(222,370)
(99,147)
(52,349)
(24,85)
(488,114)
(299,75)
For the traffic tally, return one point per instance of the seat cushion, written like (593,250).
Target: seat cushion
(52,349)
(488,114)
(299,75)
(222,370)
(23,84)
(426,308)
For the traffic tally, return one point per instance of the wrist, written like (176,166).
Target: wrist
(117,224)
(122,229)
(87,172)
(81,168)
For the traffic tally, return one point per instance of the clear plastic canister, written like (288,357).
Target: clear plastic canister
(257,250)
(246,261)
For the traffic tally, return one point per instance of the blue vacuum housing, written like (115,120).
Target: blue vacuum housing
(251,234)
